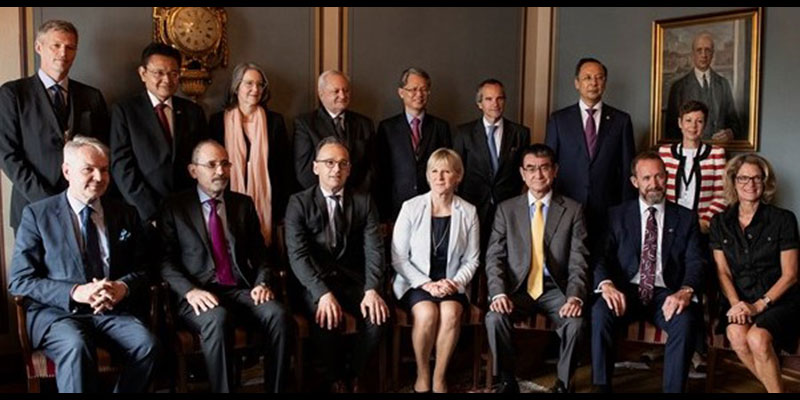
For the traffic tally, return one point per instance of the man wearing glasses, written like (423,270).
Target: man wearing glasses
(404,143)
(336,253)
(536,263)
(215,262)
(153,134)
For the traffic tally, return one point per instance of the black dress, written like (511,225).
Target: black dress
(754,258)
(440,238)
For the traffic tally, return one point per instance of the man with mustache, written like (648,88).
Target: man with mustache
(38,114)
(215,263)
(650,269)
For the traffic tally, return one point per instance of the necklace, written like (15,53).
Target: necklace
(437,244)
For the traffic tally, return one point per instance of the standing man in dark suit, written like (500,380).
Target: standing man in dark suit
(404,144)
(38,114)
(153,134)
(215,262)
(536,262)
(490,148)
(334,119)
(336,253)
(594,153)
(79,261)
(650,269)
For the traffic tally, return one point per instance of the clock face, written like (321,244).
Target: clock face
(195,28)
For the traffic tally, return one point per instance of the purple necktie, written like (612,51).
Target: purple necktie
(591,133)
(164,122)
(647,265)
(415,135)
(219,246)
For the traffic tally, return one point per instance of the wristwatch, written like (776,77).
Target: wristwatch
(766,300)
(688,289)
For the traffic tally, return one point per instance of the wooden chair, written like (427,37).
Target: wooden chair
(39,367)
(538,322)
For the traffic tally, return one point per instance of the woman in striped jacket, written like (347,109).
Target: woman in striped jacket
(695,170)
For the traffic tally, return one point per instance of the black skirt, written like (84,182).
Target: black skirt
(414,296)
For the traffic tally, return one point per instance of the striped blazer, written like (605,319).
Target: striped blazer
(709,198)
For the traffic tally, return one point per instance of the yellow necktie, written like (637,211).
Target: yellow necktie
(536,275)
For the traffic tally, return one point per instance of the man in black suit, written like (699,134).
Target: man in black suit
(594,153)
(650,269)
(336,253)
(153,134)
(334,119)
(215,262)
(404,144)
(38,114)
(79,261)
(490,148)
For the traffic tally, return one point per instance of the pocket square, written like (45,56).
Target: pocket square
(124,235)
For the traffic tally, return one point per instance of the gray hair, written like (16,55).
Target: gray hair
(330,140)
(200,145)
(56,25)
(415,71)
(72,147)
(490,81)
(704,34)
(236,81)
(323,78)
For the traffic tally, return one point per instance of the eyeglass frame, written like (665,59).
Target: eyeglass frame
(544,168)
(416,90)
(744,179)
(163,74)
(213,165)
(343,164)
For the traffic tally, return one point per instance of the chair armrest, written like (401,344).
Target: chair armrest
(22,329)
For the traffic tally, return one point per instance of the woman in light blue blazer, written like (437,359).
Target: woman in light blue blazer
(435,251)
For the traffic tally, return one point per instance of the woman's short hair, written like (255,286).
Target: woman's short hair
(732,169)
(236,81)
(448,156)
(692,106)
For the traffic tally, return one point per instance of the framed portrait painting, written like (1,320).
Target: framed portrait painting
(713,59)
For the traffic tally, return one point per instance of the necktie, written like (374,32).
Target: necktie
(415,134)
(705,82)
(91,255)
(492,147)
(647,265)
(338,124)
(219,246)
(337,229)
(60,106)
(164,122)
(536,274)
(591,133)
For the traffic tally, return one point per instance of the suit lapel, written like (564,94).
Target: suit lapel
(576,120)
(634,225)
(455,226)
(521,214)
(233,222)
(64,216)
(347,203)
(479,138)
(43,99)
(506,142)
(178,123)
(151,119)
(426,130)
(195,214)
(606,117)
(554,214)
(112,230)
(668,235)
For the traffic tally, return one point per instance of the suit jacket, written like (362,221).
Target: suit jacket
(400,172)
(188,261)
(681,258)
(360,261)
(281,175)
(411,244)
(311,128)
(144,166)
(721,107)
(508,258)
(47,260)
(597,183)
(32,141)
(479,185)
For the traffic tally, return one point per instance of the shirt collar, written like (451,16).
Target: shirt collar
(546,199)
(49,82)
(205,197)
(77,206)
(410,117)
(659,206)
(327,194)
(155,101)
(584,106)
(333,116)
(699,74)
(487,124)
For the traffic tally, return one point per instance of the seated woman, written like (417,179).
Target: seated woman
(755,249)
(257,145)
(435,252)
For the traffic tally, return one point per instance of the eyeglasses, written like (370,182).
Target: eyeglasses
(344,164)
(253,84)
(159,74)
(420,89)
(545,168)
(225,164)
(744,179)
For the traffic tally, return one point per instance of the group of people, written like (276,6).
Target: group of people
(578,228)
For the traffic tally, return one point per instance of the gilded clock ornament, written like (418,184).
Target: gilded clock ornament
(200,34)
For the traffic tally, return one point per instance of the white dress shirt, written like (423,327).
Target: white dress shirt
(643,213)
(585,115)
(97,217)
(498,133)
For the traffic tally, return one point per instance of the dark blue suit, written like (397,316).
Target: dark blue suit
(682,265)
(600,182)
(47,264)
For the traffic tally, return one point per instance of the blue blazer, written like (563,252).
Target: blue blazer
(680,252)
(47,261)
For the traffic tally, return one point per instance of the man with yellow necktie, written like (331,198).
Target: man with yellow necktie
(536,262)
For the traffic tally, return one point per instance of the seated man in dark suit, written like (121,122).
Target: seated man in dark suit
(336,253)
(79,261)
(215,262)
(405,142)
(38,114)
(153,134)
(536,261)
(650,269)
(334,119)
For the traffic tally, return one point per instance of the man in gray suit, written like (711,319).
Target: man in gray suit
(536,262)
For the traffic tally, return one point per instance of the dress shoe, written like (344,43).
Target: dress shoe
(506,387)
(339,387)
(560,387)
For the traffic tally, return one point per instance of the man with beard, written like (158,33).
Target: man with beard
(651,269)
